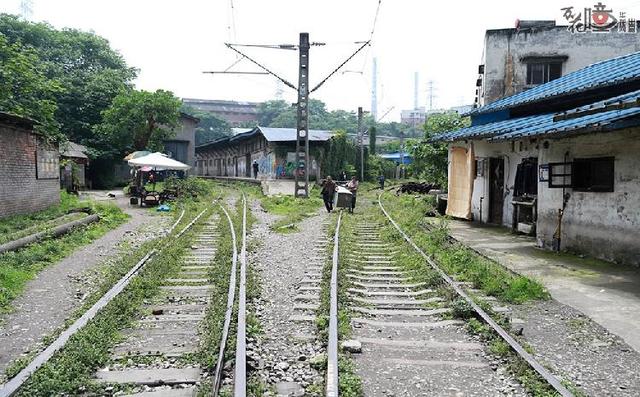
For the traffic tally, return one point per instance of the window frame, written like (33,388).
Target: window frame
(608,188)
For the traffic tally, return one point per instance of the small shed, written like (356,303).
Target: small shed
(73,166)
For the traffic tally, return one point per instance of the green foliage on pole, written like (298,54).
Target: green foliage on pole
(372,140)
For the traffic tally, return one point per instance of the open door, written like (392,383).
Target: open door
(247,165)
(496,190)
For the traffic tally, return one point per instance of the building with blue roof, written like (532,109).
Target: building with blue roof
(272,149)
(560,161)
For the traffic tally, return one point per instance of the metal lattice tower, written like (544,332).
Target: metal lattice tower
(302,133)
(415,91)
(26,9)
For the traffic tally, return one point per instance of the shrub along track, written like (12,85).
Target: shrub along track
(403,318)
(65,367)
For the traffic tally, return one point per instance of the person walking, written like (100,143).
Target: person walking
(343,176)
(328,190)
(255,169)
(353,188)
(381,181)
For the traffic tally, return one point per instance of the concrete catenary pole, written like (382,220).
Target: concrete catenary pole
(302,127)
(361,142)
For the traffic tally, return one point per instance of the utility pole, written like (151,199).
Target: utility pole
(430,89)
(302,128)
(361,142)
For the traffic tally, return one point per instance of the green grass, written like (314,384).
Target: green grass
(18,226)
(18,267)
(457,260)
(292,210)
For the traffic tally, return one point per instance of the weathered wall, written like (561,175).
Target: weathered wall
(505,73)
(20,191)
(601,224)
(186,132)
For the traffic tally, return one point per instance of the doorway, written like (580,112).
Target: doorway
(247,165)
(496,190)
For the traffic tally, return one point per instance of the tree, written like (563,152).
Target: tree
(210,127)
(137,120)
(89,72)
(25,90)
(270,110)
(430,159)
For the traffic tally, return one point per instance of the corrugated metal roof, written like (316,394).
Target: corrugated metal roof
(601,74)
(598,114)
(72,149)
(289,134)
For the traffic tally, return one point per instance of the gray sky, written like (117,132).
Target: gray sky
(172,42)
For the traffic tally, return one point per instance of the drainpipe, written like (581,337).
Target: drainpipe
(481,198)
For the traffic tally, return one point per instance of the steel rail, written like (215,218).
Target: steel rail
(331,388)
(542,371)
(217,375)
(15,383)
(240,376)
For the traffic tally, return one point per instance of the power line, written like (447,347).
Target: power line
(366,43)
(288,84)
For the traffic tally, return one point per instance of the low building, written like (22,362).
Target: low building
(272,148)
(413,117)
(29,168)
(182,146)
(536,52)
(74,162)
(235,113)
(559,161)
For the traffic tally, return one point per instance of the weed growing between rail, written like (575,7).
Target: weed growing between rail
(71,369)
(457,260)
(292,211)
(18,267)
(349,383)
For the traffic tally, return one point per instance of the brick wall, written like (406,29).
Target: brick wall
(20,191)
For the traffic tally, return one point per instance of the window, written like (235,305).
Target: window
(593,175)
(560,175)
(543,72)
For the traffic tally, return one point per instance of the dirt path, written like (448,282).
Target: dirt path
(57,290)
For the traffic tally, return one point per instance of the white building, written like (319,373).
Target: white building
(536,52)
(559,161)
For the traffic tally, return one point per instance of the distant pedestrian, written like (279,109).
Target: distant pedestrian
(255,169)
(353,188)
(343,176)
(328,191)
(381,181)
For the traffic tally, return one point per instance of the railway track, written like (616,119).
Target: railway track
(410,344)
(11,387)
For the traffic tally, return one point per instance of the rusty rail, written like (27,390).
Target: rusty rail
(332,389)
(240,376)
(217,375)
(15,383)
(548,376)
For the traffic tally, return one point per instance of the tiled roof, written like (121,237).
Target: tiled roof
(596,115)
(597,75)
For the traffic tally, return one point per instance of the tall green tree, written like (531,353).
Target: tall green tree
(430,159)
(89,72)
(137,120)
(25,90)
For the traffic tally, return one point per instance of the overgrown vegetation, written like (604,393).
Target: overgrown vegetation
(17,226)
(71,369)
(292,210)
(457,260)
(18,267)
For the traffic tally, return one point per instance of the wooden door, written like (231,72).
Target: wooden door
(496,190)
